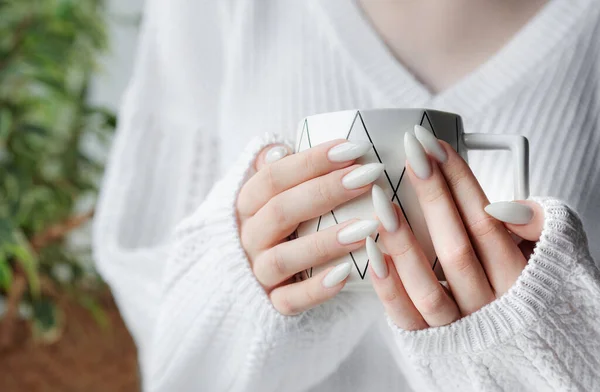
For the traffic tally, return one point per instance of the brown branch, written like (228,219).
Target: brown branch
(60,230)
(7,324)
(19,284)
(19,39)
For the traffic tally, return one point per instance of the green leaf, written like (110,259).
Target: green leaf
(95,309)
(6,274)
(27,259)
(64,10)
(109,118)
(34,129)
(6,231)
(44,313)
(47,320)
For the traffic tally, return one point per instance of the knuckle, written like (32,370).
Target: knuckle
(456,176)
(320,250)
(272,182)
(433,302)
(306,162)
(390,297)
(276,263)
(284,306)
(269,268)
(413,325)
(312,297)
(483,227)
(277,213)
(323,192)
(404,250)
(432,194)
(460,258)
(246,238)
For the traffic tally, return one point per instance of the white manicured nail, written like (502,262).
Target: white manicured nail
(357,231)
(348,151)
(363,175)
(510,212)
(384,209)
(275,154)
(430,143)
(417,158)
(337,275)
(376,260)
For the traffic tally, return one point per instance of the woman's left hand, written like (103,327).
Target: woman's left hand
(480,259)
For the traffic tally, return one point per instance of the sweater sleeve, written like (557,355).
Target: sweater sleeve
(166,236)
(155,171)
(542,335)
(217,329)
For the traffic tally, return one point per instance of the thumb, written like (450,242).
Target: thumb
(271,153)
(524,218)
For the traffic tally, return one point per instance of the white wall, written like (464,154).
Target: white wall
(108,85)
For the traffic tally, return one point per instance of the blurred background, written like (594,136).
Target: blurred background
(63,67)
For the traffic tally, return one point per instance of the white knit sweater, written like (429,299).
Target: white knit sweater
(211,76)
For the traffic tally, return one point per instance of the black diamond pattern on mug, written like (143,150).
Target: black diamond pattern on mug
(391,182)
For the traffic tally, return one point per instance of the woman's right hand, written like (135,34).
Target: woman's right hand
(288,189)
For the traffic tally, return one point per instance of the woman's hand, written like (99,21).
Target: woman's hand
(478,255)
(287,190)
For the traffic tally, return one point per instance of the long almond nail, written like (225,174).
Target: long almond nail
(348,151)
(376,260)
(337,275)
(384,209)
(417,158)
(510,212)
(430,143)
(357,231)
(362,175)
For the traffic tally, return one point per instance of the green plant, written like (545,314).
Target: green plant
(48,51)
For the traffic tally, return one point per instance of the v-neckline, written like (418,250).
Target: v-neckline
(531,45)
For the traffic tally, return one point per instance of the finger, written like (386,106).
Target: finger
(282,214)
(391,291)
(500,257)
(278,263)
(431,300)
(525,218)
(295,169)
(298,297)
(466,277)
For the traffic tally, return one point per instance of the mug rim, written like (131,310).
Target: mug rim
(392,109)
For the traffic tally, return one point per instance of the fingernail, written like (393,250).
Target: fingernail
(376,260)
(348,151)
(362,176)
(357,231)
(510,212)
(384,209)
(417,158)
(337,275)
(430,143)
(275,154)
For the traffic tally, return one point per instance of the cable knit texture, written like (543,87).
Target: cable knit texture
(212,77)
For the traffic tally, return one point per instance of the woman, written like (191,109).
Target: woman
(196,206)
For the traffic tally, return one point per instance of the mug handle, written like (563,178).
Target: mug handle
(519,147)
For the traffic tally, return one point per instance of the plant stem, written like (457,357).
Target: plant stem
(19,39)
(7,324)
(60,230)
(19,284)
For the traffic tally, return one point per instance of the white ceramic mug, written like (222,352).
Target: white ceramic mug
(385,129)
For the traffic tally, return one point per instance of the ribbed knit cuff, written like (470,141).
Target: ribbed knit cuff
(561,246)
